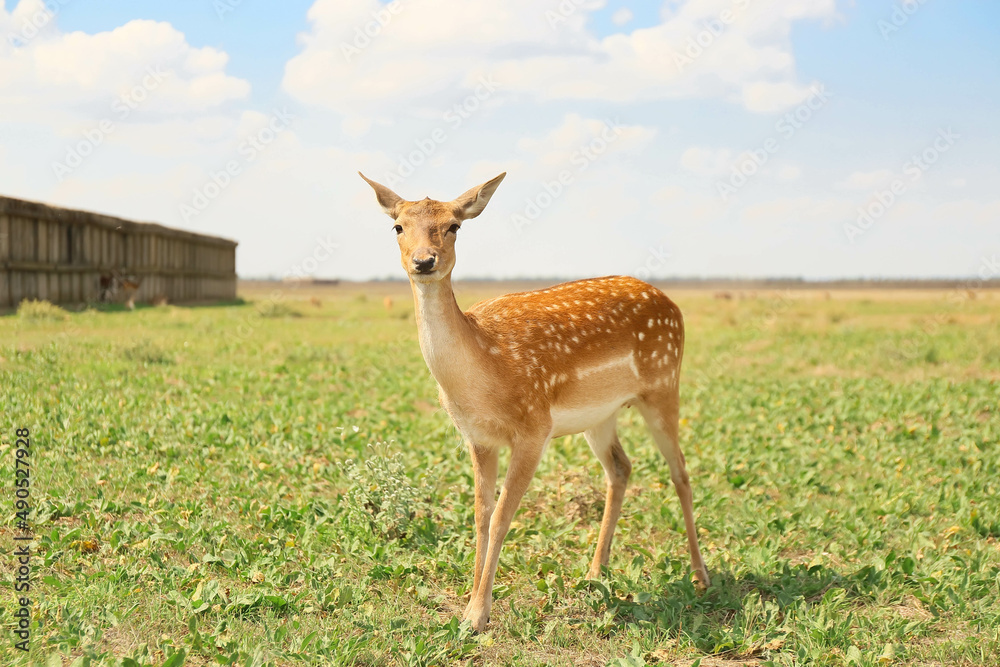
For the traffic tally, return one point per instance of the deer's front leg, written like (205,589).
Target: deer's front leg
(484,474)
(523,461)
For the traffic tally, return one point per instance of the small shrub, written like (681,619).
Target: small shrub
(277,310)
(147,352)
(41,311)
(382,497)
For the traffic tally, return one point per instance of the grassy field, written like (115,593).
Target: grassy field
(273,483)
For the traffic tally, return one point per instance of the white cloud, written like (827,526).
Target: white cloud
(784,212)
(866,180)
(356,126)
(360,58)
(707,161)
(683,208)
(119,119)
(579,139)
(769,97)
(55,76)
(788,172)
(622,16)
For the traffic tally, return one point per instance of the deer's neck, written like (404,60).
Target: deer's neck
(447,339)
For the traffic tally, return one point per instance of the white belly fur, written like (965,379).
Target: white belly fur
(577,419)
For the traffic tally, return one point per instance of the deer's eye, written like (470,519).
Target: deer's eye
(454,229)
(398,229)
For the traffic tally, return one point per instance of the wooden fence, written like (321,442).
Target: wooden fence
(64,256)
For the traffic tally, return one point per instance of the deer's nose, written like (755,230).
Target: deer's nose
(424,264)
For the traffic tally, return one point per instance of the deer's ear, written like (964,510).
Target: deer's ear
(471,203)
(390,202)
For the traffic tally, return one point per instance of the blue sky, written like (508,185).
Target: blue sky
(662,184)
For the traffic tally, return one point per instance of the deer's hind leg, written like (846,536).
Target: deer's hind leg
(661,411)
(603,440)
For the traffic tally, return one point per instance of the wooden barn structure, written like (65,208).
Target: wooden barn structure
(68,256)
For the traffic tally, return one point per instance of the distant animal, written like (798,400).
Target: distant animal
(107,287)
(724,296)
(316,302)
(387,302)
(129,288)
(518,370)
(159,300)
(116,283)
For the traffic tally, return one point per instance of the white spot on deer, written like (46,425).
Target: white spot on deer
(649,325)
(641,335)
(632,365)
(494,350)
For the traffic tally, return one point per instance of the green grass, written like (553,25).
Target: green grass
(265,484)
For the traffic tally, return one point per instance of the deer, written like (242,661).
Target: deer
(521,369)
(129,287)
(110,283)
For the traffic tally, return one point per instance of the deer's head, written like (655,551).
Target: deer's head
(426,229)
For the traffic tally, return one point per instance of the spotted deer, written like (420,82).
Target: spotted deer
(111,283)
(521,369)
(130,287)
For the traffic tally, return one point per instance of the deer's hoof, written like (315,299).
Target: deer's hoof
(478,618)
